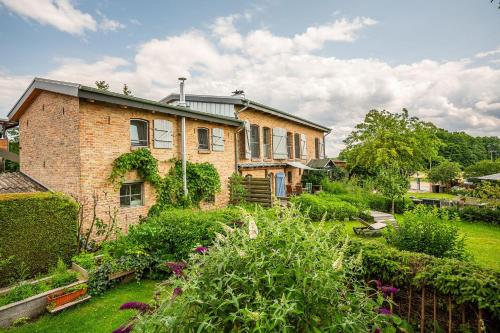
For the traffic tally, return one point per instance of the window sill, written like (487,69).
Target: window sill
(138,147)
(131,207)
(204,151)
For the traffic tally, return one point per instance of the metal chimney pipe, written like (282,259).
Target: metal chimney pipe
(182,96)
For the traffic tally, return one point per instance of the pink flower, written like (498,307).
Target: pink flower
(387,290)
(123,329)
(177,292)
(384,311)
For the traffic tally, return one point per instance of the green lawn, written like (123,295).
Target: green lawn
(100,314)
(482,240)
(431,195)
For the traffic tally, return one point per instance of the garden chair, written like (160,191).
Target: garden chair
(369,229)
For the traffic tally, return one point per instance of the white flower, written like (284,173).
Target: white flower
(253,231)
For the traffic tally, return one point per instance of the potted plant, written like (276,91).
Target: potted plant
(66,296)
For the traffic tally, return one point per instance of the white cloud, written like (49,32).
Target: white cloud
(58,13)
(456,95)
(107,24)
(488,53)
(62,15)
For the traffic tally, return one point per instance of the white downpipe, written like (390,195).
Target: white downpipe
(183,155)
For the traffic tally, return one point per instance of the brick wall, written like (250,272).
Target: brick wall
(105,135)
(49,142)
(266,120)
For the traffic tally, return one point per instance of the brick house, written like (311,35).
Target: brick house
(272,143)
(70,134)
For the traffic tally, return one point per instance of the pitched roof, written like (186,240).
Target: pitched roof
(236,100)
(320,163)
(18,182)
(495,176)
(81,91)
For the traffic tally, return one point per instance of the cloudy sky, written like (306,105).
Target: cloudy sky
(329,61)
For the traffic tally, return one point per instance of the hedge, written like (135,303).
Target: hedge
(327,205)
(478,214)
(464,281)
(36,230)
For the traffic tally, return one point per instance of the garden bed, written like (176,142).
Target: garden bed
(30,307)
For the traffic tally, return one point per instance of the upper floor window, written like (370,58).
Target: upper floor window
(266,142)
(255,141)
(138,133)
(203,138)
(289,144)
(297,145)
(131,195)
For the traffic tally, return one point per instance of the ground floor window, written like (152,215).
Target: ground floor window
(289,176)
(132,194)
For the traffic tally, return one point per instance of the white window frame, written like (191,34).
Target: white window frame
(147,132)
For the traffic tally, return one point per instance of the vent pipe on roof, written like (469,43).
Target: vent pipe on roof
(182,96)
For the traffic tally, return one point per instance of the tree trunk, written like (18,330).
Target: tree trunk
(392,207)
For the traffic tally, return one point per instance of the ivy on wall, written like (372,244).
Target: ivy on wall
(203,180)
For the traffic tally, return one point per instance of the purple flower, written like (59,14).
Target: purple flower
(201,249)
(123,329)
(176,267)
(388,290)
(177,292)
(384,311)
(377,283)
(377,330)
(142,307)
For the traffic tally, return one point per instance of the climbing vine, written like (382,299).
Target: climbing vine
(203,180)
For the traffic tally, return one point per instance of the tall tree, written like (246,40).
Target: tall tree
(384,139)
(102,85)
(482,168)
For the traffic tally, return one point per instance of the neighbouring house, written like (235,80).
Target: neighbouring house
(5,154)
(272,143)
(70,135)
(327,165)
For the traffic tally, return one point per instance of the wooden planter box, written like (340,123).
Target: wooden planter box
(117,275)
(31,307)
(62,297)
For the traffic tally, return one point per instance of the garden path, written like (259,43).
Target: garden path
(384,218)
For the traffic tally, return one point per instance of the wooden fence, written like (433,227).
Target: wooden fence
(257,190)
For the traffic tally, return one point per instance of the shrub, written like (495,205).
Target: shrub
(271,275)
(325,206)
(36,230)
(463,281)
(478,214)
(85,260)
(428,231)
(61,276)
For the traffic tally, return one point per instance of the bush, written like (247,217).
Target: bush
(271,275)
(428,231)
(326,206)
(61,276)
(463,281)
(36,230)
(478,214)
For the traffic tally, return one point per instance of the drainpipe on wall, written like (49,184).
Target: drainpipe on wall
(182,102)
(236,143)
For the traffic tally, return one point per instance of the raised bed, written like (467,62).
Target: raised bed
(112,276)
(31,307)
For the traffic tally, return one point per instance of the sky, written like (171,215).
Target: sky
(327,61)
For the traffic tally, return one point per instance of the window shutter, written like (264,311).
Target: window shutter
(163,136)
(279,143)
(303,146)
(217,139)
(322,148)
(248,151)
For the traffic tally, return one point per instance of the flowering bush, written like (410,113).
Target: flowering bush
(272,274)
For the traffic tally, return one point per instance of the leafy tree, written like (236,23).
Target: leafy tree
(392,184)
(446,173)
(102,85)
(482,168)
(13,137)
(126,90)
(385,138)
(465,149)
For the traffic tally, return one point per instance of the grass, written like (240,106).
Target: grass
(100,314)
(482,241)
(428,195)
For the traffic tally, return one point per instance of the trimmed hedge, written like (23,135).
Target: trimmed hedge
(36,230)
(478,214)
(319,205)
(465,282)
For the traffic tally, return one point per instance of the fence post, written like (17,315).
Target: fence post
(422,311)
